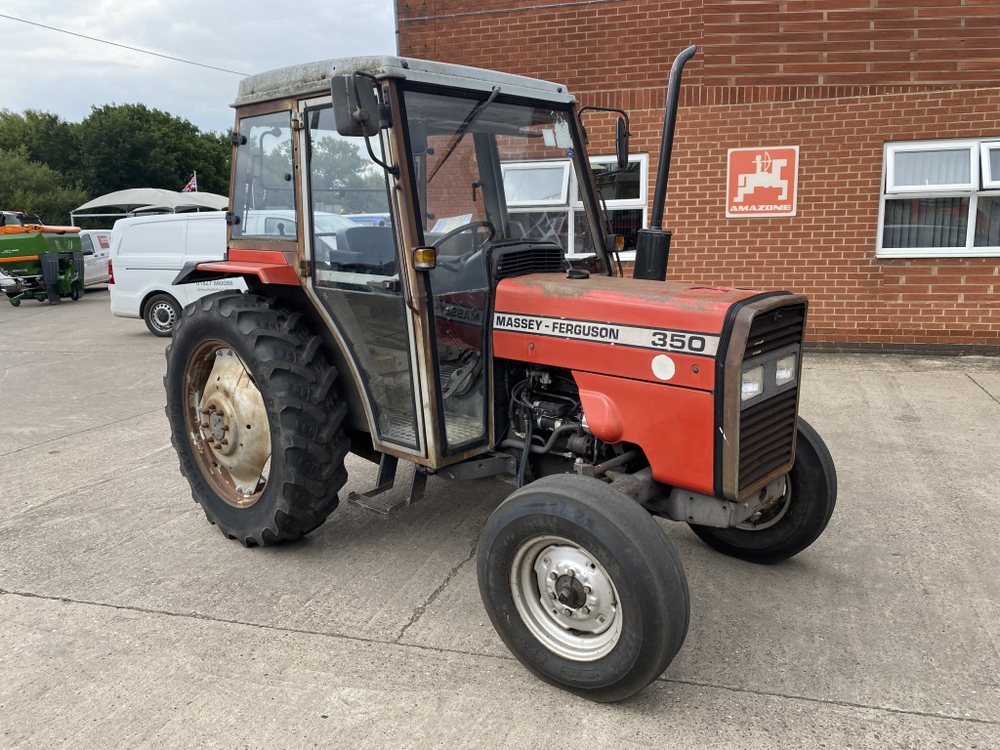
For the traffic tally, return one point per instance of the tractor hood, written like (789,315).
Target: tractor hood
(643,330)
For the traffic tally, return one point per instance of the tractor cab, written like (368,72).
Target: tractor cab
(461,161)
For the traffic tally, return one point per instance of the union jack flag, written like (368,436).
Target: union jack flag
(192,185)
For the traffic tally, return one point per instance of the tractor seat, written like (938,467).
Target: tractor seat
(371,249)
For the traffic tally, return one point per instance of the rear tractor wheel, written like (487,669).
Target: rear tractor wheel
(583,586)
(255,418)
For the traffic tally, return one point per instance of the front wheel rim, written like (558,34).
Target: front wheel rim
(566,598)
(769,517)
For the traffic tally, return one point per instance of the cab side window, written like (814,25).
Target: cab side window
(264,188)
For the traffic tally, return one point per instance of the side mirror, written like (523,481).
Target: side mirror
(355,107)
(621,143)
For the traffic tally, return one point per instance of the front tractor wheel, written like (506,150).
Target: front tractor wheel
(796,520)
(583,586)
(254,418)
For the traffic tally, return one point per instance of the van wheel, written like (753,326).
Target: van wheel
(255,418)
(161,314)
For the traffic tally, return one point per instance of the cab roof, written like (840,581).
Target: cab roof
(314,79)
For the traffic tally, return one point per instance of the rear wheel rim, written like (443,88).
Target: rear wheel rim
(227,424)
(566,598)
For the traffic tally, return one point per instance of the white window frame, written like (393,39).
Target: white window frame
(990,181)
(520,166)
(981,184)
(628,256)
(891,149)
(571,189)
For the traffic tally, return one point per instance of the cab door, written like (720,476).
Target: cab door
(356,276)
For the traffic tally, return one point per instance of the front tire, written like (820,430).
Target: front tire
(583,586)
(161,315)
(255,418)
(797,520)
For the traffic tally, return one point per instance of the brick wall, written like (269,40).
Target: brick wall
(838,78)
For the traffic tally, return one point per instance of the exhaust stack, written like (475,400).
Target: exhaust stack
(653,245)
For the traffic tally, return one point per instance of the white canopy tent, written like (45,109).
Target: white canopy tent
(135,200)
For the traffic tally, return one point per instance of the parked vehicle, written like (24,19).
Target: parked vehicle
(41,262)
(463,341)
(372,220)
(147,253)
(96,254)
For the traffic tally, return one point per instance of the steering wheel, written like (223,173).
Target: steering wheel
(464,228)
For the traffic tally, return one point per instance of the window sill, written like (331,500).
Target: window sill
(938,252)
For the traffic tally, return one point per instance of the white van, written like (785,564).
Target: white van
(96,251)
(147,253)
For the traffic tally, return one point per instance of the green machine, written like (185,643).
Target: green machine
(44,262)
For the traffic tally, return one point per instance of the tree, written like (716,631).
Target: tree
(35,188)
(46,137)
(340,175)
(130,145)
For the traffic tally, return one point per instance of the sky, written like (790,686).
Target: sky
(66,75)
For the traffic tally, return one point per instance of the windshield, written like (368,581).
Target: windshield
(502,166)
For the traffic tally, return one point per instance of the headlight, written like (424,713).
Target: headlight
(753,383)
(786,370)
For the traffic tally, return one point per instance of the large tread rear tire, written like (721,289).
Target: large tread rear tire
(811,498)
(308,445)
(565,528)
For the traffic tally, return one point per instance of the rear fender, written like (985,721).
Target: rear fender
(265,266)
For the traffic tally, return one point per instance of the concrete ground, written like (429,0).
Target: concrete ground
(126,620)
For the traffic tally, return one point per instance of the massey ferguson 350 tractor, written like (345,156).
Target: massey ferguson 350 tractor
(481,327)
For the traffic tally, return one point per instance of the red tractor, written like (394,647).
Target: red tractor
(480,327)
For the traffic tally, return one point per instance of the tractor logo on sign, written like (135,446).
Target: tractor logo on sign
(762,181)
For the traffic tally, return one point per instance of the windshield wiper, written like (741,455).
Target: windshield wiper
(464,128)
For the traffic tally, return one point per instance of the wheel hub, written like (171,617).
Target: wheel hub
(234,424)
(576,592)
(769,514)
(570,592)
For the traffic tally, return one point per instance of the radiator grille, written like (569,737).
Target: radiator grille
(525,260)
(767,428)
(767,432)
(774,330)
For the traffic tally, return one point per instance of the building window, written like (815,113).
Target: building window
(536,183)
(930,189)
(538,193)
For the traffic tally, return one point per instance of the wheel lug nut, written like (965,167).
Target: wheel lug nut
(586,589)
(553,576)
(552,595)
(585,610)
(567,612)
